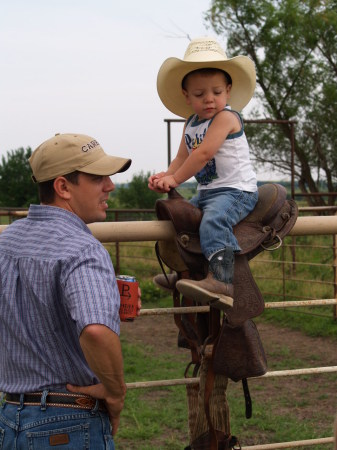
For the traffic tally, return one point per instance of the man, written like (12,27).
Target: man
(61,365)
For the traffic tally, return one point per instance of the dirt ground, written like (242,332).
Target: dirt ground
(311,396)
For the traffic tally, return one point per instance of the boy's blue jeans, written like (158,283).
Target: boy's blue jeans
(222,209)
(40,428)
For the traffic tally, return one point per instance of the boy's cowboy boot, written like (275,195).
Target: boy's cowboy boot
(217,288)
(167,284)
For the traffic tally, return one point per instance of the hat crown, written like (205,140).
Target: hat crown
(204,49)
(205,53)
(66,153)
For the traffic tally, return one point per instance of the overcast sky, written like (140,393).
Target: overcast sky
(90,66)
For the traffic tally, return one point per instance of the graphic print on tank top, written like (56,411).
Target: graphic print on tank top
(208,173)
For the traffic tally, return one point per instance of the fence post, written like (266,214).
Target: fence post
(117,267)
(283,274)
(334,243)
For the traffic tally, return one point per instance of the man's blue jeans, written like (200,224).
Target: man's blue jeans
(48,427)
(222,209)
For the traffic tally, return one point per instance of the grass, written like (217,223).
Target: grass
(278,426)
(310,277)
(156,419)
(152,415)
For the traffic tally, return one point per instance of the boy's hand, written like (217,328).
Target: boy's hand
(152,180)
(165,183)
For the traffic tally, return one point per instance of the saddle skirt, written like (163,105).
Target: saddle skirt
(272,218)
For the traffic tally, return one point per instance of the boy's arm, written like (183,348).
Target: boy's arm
(223,124)
(182,155)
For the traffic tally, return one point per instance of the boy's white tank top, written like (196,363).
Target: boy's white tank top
(231,165)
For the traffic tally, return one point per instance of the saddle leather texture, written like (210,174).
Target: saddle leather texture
(238,351)
(272,218)
(263,229)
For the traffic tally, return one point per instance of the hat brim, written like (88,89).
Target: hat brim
(173,70)
(107,165)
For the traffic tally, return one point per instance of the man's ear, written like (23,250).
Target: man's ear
(187,98)
(61,187)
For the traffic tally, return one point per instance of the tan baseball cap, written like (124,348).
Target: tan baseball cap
(66,153)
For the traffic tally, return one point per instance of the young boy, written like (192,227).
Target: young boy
(202,88)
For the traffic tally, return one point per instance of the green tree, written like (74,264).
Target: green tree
(137,194)
(294,47)
(16,186)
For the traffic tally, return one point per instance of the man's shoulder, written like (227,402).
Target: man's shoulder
(49,234)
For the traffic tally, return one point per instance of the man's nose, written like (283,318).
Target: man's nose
(108,185)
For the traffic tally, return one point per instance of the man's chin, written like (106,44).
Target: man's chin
(101,217)
(98,218)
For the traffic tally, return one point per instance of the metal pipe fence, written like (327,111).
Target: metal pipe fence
(164,231)
(113,232)
(287,263)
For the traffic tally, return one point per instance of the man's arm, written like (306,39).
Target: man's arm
(102,350)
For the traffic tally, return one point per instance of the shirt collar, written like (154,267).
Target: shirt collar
(47,212)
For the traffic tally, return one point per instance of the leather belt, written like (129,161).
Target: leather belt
(58,399)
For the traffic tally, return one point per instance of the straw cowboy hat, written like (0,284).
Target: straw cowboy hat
(201,53)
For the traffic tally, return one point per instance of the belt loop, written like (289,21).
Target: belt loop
(44,400)
(95,408)
(22,400)
(3,399)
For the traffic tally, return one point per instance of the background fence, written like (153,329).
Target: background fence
(304,268)
(302,231)
(302,274)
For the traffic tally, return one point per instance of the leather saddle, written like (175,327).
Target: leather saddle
(234,346)
(263,229)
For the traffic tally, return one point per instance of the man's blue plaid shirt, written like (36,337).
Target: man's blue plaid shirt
(55,279)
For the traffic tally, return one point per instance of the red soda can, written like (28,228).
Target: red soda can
(128,291)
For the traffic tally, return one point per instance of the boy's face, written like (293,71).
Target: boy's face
(207,94)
